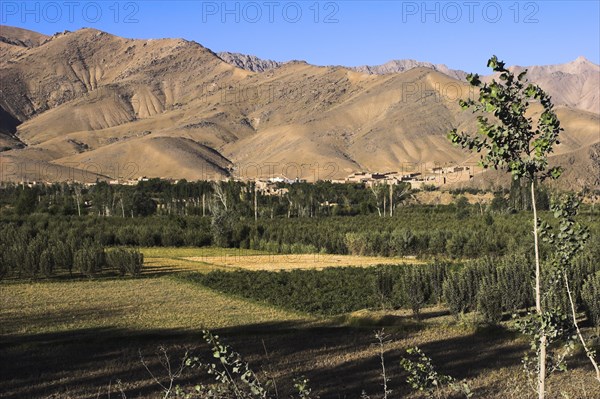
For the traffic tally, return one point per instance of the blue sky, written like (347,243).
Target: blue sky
(461,34)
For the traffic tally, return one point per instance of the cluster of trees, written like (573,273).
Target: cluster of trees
(492,287)
(125,261)
(76,199)
(160,197)
(109,232)
(330,291)
(415,230)
(203,198)
(30,252)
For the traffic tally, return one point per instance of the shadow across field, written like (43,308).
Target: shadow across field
(466,356)
(339,361)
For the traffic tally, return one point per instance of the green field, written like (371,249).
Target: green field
(136,304)
(75,339)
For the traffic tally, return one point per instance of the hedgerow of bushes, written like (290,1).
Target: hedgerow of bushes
(492,287)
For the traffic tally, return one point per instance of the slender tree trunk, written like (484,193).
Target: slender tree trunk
(255,203)
(78,206)
(391,200)
(588,353)
(538,299)
(377,201)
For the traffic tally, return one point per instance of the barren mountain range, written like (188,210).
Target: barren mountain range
(255,64)
(574,84)
(86,104)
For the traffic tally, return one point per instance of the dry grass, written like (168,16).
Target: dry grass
(445,198)
(70,339)
(186,252)
(168,260)
(274,262)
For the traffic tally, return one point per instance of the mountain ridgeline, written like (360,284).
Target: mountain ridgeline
(88,105)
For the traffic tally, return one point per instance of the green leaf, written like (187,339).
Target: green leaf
(473,79)
(492,62)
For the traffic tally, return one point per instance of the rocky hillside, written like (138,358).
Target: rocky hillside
(397,66)
(249,62)
(21,37)
(575,84)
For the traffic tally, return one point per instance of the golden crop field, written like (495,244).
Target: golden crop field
(168,260)
(275,262)
(183,252)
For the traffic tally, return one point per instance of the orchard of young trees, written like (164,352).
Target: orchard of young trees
(492,287)
(30,250)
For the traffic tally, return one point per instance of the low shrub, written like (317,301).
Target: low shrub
(125,261)
(489,301)
(89,260)
(414,287)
